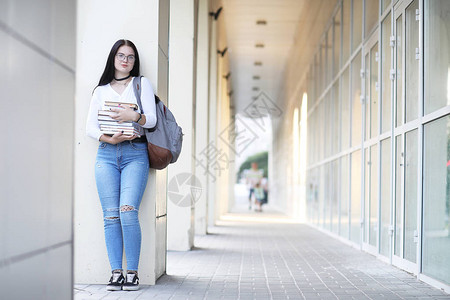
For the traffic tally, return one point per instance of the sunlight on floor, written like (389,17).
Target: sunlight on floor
(261,218)
(241,212)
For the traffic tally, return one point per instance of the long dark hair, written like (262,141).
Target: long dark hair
(108,73)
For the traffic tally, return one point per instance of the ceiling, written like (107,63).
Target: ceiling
(243,33)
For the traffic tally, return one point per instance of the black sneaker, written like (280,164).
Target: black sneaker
(132,283)
(115,282)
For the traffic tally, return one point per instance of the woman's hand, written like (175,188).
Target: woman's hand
(117,138)
(125,114)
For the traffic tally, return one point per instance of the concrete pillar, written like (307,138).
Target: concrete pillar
(201,115)
(182,78)
(212,120)
(36,157)
(146,24)
(224,143)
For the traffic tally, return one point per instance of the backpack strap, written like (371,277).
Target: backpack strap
(137,91)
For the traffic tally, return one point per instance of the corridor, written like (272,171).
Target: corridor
(268,256)
(343,104)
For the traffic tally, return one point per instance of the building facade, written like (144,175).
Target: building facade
(377,138)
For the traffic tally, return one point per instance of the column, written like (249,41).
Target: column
(182,82)
(212,120)
(201,115)
(146,24)
(36,157)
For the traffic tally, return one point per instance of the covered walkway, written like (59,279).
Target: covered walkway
(269,256)
(350,99)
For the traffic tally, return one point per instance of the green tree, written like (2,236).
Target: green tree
(261,158)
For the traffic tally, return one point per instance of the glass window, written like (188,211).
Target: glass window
(317,76)
(411,159)
(337,43)
(310,144)
(385,74)
(327,188)
(371,201)
(344,196)
(374,91)
(335,132)
(398,194)
(328,123)
(399,72)
(314,195)
(436,200)
(385,4)
(346,30)
(329,50)
(357,13)
(367,96)
(437,54)
(371,8)
(323,65)
(356,197)
(310,87)
(356,100)
(311,139)
(371,92)
(322,219)
(345,130)
(321,125)
(385,201)
(412,64)
(317,196)
(366,195)
(334,171)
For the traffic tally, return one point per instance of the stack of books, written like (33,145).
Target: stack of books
(110,126)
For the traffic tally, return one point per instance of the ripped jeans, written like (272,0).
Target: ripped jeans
(121,173)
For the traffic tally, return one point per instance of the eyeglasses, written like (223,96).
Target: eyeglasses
(122,57)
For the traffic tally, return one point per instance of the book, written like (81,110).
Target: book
(106,113)
(129,128)
(112,132)
(127,131)
(116,104)
(108,125)
(115,123)
(118,128)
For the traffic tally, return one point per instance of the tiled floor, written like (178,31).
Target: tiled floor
(266,256)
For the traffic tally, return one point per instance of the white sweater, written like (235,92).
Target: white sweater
(106,93)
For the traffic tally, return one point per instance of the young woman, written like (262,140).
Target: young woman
(121,167)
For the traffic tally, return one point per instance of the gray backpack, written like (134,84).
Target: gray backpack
(165,139)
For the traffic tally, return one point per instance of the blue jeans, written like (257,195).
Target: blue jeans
(121,173)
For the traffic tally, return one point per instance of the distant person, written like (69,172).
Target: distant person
(122,167)
(253,176)
(259,196)
(265,187)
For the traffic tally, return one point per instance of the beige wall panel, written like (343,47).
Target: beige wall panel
(48,24)
(46,171)
(97,31)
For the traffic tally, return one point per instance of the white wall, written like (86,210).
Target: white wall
(36,157)
(100,24)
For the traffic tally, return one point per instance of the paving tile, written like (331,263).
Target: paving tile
(244,260)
